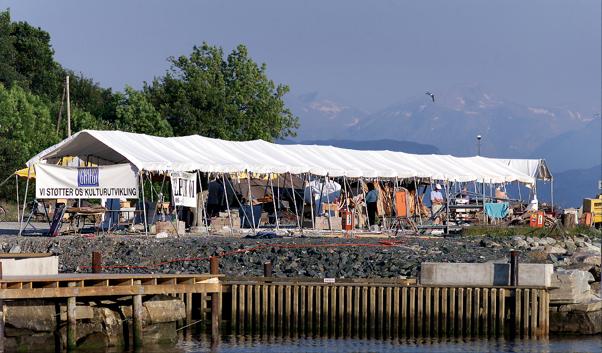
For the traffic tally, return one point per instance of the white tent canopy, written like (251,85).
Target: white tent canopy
(537,168)
(188,153)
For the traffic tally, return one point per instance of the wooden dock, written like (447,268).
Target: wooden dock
(72,286)
(381,308)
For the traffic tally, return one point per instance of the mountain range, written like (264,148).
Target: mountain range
(569,141)
(453,121)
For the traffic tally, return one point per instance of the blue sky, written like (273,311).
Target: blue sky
(366,53)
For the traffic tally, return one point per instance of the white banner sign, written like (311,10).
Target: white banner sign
(183,189)
(110,181)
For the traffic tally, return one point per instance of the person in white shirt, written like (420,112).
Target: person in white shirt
(437,201)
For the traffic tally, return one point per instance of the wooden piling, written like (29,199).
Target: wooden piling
(264,307)
(404,310)
(215,297)
(444,311)
(71,320)
(436,309)
(319,310)
(372,314)
(348,311)
(396,291)
(412,302)
(420,311)
(234,306)
(364,311)
(310,310)
(137,317)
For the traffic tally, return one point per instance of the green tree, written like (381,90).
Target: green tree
(8,53)
(230,98)
(26,128)
(135,113)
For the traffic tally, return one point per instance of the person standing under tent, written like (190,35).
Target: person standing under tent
(437,202)
(371,202)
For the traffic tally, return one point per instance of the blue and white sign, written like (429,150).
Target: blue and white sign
(117,181)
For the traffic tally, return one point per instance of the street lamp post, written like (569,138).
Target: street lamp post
(479,145)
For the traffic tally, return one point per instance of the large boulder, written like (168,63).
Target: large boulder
(570,286)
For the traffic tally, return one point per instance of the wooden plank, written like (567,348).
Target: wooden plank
(476,312)
(518,293)
(310,309)
(404,310)
(287,308)
(295,309)
(364,311)
(540,315)
(419,311)
(485,314)
(356,309)
(264,307)
(502,311)
(546,312)
(280,311)
(412,312)
(234,306)
(380,307)
(249,305)
(340,310)
(242,300)
(325,310)
(534,310)
(436,309)
(333,310)
(256,306)
(427,311)
(348,311)
(318,306)
(468,313)
(525,314)
(452,311)
(302,308)
(494,312)
(372,315)
(396,303)
(388,310)
(460,314)
(272,303)
(444,311)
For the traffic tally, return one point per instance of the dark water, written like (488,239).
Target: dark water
(250,343)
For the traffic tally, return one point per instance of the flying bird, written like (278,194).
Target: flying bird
(431,95)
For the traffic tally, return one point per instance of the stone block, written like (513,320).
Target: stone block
(571,286)
(484,274)
(30,266)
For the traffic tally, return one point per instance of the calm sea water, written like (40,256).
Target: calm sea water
(249,343)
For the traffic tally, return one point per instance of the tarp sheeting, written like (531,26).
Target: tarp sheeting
(537,168)
(188,153)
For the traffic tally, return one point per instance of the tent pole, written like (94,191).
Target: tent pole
(17,188)
(447,206)
(227,204)
(311,203)
(252,221)
(274,201)
(552,192)
(365,205)
(294,200)
(328,202)
(484,215)
(199,212)
(24,200)
(346,199)
(519,193)
(319,210)
(144,204)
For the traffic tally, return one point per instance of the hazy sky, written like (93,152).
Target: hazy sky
(366,53)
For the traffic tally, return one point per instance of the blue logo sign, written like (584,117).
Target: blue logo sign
(87,177)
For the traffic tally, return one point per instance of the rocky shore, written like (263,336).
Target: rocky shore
(306,256)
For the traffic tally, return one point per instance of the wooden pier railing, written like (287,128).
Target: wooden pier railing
(385,309)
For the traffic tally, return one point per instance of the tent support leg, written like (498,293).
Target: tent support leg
(251,202)
(294,200)
(17,188)
(24,201)
(326,179)
(366,205)
(417,207)
(144,204)
(274,202)
(228,204)
(311,203)
(552,193)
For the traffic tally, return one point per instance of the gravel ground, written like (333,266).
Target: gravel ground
(292,256)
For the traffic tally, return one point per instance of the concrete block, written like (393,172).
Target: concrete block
(484,274)
(33,266)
